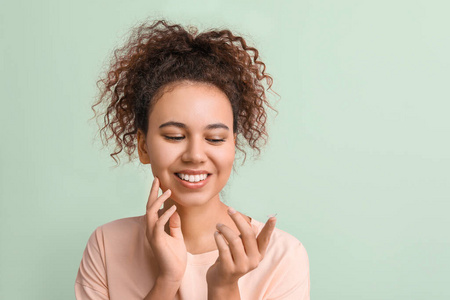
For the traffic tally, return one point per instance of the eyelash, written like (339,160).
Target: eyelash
(179,138)
(173,138)
(216,140)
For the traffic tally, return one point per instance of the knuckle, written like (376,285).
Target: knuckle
(236,269)
(253,264)
(259,258)
(249,234)
(241,270)
(235,240)
(232,269)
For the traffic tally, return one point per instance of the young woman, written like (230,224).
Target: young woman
(185,100)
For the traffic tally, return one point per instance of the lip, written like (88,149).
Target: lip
(193,185)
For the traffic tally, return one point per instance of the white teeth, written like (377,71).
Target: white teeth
(192,178)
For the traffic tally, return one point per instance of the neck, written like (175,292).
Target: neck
(198,223)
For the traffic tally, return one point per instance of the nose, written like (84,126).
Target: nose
(194,152)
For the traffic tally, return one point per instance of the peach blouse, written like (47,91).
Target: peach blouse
(118,264)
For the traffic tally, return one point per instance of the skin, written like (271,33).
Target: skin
(195,220)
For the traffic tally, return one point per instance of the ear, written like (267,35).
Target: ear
(144,156)
(235,137)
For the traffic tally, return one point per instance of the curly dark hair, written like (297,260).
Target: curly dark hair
(159,54)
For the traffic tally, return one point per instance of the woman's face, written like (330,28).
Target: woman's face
(190,142)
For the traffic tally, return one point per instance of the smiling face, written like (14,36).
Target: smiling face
(190,142)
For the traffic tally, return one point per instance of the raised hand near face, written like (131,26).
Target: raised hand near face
(169,250)
(242,254)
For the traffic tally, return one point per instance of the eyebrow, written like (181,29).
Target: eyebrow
(217,125)
(171,123)
(183,126)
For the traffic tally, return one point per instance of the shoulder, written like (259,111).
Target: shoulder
(287,261)
(116,234)
(290,253)
(105,243)
(125,225)
(281,242)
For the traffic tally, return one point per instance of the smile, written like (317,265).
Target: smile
(192,178)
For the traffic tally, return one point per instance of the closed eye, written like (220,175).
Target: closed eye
(216,140)
(174,138)
(179,138)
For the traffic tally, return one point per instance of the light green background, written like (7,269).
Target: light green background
(357,167)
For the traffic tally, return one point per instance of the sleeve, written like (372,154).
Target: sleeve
(91,281)
(294,281)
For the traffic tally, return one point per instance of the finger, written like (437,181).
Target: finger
(247,234)
(234,243)
(164,218)
(153,192)
(175,226)
(155,206)
(224,251)
(265,234)
(152,213)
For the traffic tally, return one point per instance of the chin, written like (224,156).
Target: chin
(190,199)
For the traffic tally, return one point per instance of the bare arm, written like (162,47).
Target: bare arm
(163,289)
(224,293)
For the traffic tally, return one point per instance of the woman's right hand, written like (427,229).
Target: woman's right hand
(169,250)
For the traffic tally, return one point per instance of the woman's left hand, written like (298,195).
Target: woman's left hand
(242,254)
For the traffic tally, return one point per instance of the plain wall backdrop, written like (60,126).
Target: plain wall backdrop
(357,166)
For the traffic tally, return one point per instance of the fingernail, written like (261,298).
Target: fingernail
(167,191)
(231,210)
(218,225)
(272,218)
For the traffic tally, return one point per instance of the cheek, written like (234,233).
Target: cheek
(225,159)
(161,159)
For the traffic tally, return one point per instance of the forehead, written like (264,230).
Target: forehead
(194,104)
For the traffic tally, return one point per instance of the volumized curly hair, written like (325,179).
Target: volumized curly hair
(160,54)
